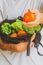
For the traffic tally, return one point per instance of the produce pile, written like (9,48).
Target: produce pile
(14,31)
(18,27)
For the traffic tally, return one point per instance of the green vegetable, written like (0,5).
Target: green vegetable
(37,28)
(32,30)
(17,25)
(28,29)
(6,28)
(13,31)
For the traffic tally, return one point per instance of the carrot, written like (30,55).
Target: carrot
(21,32)
(13,35)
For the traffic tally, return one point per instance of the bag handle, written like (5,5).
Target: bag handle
(36,46)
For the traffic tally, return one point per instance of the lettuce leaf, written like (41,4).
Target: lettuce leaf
(37,28)
(28,29)
(17,25)
(32,30)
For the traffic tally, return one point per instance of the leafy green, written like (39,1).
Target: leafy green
(13,31)
(17,25)
(37,28)
(28,29)
(32,30)
(6,28)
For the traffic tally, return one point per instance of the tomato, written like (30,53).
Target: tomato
(33,17)
(29,16)
(13,35)
(26,18)
(21,32)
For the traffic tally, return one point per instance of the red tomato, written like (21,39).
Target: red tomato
(33,17)
(29,16)
(26,17)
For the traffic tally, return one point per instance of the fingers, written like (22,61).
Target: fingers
(31,44)
(35,11)
(32,38)
(41,19)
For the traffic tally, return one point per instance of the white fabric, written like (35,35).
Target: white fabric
(12,9)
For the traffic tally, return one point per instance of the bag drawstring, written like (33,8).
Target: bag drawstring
(36,46)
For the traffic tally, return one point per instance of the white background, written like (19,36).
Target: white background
(12,9)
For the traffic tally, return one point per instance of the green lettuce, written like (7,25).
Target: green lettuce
(31,30)
(17,25)
(37,28)
(28,29)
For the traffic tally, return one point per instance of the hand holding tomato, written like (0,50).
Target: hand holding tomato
(29,16)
